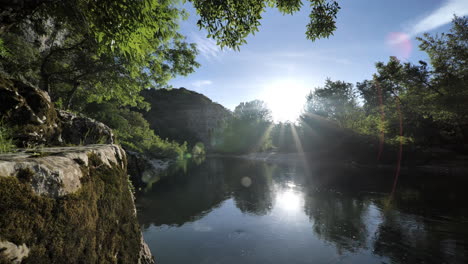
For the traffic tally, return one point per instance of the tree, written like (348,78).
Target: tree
(230,22)
(133,131)
(88,54)
(131,43)
(74,59)
(129,26)
(247,131)
(255,110)
(448,55)
(283,137)
(335,101)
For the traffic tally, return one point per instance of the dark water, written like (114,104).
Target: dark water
(237,211)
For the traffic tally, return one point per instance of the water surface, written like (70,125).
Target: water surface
(238,211)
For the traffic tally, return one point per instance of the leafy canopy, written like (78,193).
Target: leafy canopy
(229,22)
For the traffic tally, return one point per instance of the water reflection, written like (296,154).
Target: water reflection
(338,219)
(289,200)
(237,211)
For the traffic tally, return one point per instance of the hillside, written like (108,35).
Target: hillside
(183,115)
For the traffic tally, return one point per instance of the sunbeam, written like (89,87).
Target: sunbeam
(262,139)
(300,149)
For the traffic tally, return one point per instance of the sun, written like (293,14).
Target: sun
(285,98)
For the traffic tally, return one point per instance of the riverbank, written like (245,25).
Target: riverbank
(454,167)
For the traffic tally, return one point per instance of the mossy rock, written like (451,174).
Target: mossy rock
(35,121)
(29,111)
(96,224)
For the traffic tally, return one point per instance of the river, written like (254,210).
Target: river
(241,211)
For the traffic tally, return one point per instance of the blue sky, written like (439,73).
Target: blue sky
(279,65)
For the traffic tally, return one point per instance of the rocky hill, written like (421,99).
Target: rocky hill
(184,115)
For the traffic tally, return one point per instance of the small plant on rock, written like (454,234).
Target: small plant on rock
(6,140)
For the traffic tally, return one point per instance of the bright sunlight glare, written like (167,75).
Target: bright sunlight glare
(285,98)
(289,200)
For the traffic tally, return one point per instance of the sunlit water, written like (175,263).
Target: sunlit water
(237,211)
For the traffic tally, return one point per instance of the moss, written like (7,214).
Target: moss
(94,225)
(25,175)
(4,259)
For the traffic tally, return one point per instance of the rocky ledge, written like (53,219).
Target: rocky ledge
(68,204)
(31,115)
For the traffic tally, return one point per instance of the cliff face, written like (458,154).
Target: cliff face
(184,115)
(35,121)
(69,204)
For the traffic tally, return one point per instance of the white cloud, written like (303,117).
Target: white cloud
(206,46)
(439,17)
(200,83)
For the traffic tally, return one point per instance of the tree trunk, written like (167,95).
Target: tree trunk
(71,95)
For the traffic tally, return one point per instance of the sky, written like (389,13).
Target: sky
(280,66)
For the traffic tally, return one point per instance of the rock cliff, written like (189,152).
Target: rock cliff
(35,121)
(184,115)
(70,205)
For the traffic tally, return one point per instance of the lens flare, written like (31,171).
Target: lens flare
(246,182)
(400,44)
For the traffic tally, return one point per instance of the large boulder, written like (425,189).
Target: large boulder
(144,170)
(69,204)
(81,130)
(35,121)
(29,111)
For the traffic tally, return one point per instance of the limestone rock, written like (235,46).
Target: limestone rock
(57,172)
(30,112)
(143,169)
(69,204)
(80,130)
(12,252)
(145,253)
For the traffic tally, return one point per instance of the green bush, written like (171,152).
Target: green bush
(133,132)
(198,149)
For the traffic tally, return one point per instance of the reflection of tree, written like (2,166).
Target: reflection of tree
(409,238)
(338,219)
(183,197)
(254,193)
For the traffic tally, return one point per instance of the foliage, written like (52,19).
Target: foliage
(336,101)
(230,22)
(84,52)
(133,131)
(198,149)
(4,53)
(283,137)
(6,141)
(253,110)
(247,131)
(430,99)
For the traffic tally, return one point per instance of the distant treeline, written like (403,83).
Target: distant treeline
(423,105)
